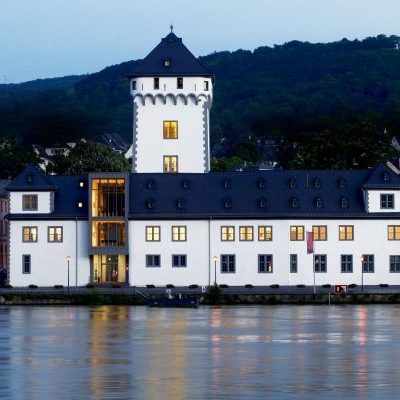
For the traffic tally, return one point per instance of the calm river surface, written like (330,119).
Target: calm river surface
(270,352)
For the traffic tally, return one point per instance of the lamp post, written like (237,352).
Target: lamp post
(215,258)
(362,274)
(68,260)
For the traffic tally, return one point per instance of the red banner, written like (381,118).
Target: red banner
(310,243)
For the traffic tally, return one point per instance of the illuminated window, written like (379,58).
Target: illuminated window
(368,263)
(26,263)
(167,62)
(179,260)
(179,233)
(394,263)
(228,263)
(108,234)
(55,234)
(179,83)
(394,232)
(387,201)
(320,262)
(346,232)
(227,233)
(153,233)
(346,263)
(264,233)
(293,263)
(170,164)
(80,204)
(320,232)
(265,263)
(245,233)
(81,184)
(108,197)
(29,234)
(296,232)
(170,130)
(153,260)
(29,202)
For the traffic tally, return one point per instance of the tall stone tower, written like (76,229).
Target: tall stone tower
(172,97)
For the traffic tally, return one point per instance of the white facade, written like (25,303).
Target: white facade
(374,204)
(189,107)
(44,202)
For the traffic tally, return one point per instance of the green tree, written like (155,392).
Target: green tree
(88,157)
(14,157)
(224,164)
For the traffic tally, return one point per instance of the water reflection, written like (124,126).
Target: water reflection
(280,352)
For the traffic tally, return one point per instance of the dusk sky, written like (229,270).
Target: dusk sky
(50,38)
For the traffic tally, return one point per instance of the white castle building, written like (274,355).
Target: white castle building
(171,221)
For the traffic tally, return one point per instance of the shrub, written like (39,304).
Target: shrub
(169,286)
(58,286)
(384,285)
(31,286)
(150,286)
(248,286)
(193,286)
(326,286)
(275,286)
(301,285)
(224,286)
(353,285)
(90,286)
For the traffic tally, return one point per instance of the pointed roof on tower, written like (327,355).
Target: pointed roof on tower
(170,58)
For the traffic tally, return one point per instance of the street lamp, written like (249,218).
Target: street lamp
(362,274)
(215,258)
(68,260)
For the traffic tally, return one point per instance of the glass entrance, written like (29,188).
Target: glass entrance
(109,268)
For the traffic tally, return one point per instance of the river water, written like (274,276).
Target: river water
(257,352)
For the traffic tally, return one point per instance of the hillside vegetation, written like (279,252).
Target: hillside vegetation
(326,104)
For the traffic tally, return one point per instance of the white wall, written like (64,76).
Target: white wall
(44,202)
(48,260)
(374,201)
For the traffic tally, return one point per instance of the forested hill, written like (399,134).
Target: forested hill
(295,92)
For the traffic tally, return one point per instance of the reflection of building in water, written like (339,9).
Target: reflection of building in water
(108,372)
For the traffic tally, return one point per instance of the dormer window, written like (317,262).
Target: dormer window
(262,203)
(387,201)
(180,203)
(167,62)
(150,204)
(29,202)
(342,183)
(292,183)
(344,203)
(179,83)
(29,178)
(80,204)
(385,177)
(81,184)
(295,202)
(133,84)
(261,183)
(317,183)
(186,184)
(227,203)
(226,183)
(318,202)
(151,184)
(156,83)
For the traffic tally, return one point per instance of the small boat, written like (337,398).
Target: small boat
(177,302)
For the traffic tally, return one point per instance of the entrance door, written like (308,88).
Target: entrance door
(110,267)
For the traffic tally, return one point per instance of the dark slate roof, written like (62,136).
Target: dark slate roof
(182,61)
(384,176)
(31,178)
(207,194)
(3,185)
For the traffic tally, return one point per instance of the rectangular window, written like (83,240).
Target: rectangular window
(368,263)
(296,232)
(265,263)
(387,201)
(29,202)
(293,263)
(29,234)
(394,263)
(206,86)
(228,264)
(320,262)
(393,232)
(264,233)
(346,232)
(346,263)
(245,233)
(227,233)
(26,264)
(320,232)
(170,129)
(55,234)
(153,260)
(133,85)
(156,84)
(179,83)
(171,164)
(179,260)
(153,233)
(179,233)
